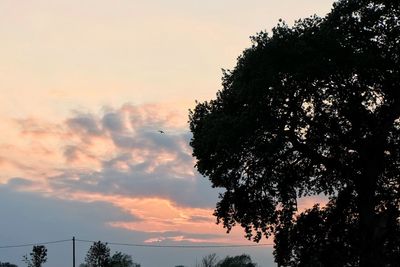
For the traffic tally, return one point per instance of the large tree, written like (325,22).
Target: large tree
(313,109)
(328,236)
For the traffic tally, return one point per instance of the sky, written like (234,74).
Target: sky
(85,87)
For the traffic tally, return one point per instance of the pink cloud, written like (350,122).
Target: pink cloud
(119,157)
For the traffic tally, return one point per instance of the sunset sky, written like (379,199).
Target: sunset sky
(85,88)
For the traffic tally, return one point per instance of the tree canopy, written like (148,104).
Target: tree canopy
(211,260)
(120,259)
(99,255)
(313,109)
(237,261)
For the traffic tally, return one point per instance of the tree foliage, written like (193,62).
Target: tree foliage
(99,256)
(328,236)
(37,258)
(313,109)
(120,259)
(237,261)
(211,260)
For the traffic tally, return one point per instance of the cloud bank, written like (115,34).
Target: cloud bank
(133,158)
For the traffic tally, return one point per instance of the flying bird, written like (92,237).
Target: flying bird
(161,131)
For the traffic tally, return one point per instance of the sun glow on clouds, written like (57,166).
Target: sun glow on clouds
(153,215)
(118,156)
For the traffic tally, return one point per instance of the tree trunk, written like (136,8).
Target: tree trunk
(371,251)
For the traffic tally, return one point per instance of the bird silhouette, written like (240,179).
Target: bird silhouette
(161,131)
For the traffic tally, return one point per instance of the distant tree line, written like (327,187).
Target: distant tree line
(211,260)
(98,255)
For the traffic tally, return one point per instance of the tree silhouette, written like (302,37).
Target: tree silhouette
(328,236)
(313,109)
(209,260)
(120,259)
(38,256)
(98,255)
(237,261)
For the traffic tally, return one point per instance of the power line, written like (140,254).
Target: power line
(175,246)
(35,244)
(134,244)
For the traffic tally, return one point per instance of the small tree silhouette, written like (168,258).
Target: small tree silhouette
(98,255)
(38,256)
(209,260)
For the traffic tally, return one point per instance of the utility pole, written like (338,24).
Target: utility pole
(73,251)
